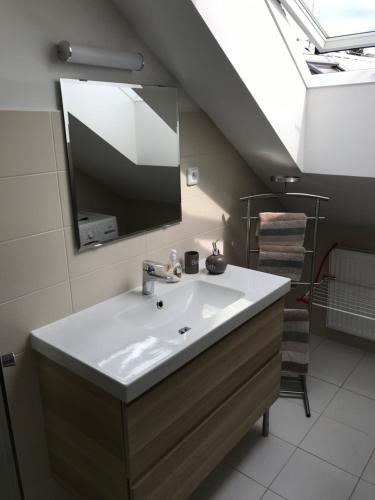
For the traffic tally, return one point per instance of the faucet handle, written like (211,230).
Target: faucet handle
(147,266)
(151,265)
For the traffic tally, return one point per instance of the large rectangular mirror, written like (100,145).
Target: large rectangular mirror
(123,151)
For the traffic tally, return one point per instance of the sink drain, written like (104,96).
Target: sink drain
(184,329)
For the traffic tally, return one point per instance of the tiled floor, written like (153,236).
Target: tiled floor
(328,457)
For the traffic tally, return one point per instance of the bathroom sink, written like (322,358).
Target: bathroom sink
(191,305)
(128,343)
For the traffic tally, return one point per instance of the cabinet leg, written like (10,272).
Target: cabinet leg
(266,423)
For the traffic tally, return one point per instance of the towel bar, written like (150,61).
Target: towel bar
(257,251)
(257,218)
(317,199)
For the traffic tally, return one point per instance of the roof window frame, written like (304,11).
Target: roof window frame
(324,43)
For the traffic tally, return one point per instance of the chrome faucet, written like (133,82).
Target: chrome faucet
(152,271)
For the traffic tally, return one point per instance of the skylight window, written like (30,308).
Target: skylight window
(335,25)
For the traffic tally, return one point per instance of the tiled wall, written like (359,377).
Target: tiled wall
(42,279)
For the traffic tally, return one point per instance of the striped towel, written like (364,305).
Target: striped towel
(284,261)
(295,343)
(281,228)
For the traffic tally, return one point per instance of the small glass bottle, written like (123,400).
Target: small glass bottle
(174,266)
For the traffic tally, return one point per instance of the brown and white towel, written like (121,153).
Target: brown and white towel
(284,261)
(295,343)
(281,228)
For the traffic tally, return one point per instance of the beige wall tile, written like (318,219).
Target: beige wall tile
(29,205)
(63,181)
(26,143)
(59,140)
(189,133)
(31,263)
(34,310)
(100,285)
(91,260)
(27,419)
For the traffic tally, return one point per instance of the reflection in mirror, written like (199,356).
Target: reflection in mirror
(123,150)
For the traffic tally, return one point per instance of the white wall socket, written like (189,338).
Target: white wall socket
(192,176)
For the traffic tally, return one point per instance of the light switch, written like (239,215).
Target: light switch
(192,176)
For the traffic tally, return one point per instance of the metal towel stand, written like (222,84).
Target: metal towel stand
(291,386)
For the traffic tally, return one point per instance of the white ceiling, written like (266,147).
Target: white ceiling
(177,35)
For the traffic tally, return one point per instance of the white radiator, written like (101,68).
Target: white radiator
(351,297)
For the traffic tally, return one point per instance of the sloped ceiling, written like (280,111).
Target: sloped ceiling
(178,36)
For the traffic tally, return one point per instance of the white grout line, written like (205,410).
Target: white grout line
(33,174)
(64,235)
(32,236)
(38,290)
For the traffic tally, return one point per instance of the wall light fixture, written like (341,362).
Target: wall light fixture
(95,56)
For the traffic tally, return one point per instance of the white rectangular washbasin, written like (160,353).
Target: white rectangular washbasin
(193,304)
(127,344)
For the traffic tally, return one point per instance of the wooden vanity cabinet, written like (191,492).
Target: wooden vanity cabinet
(163,444)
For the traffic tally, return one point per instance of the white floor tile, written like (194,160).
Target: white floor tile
(289,422)
(228,484)
(364,491)
(354,410)
(315,341)
(320,394)
(260,458)
(347,448)
(369,473)
(362,379)
(333,362)
(306,477)
(270,495)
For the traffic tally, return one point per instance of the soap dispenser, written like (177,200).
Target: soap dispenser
(216,263)
(174,267)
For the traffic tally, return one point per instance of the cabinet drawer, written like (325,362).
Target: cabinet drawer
(177,475)
(162,417)
(84,434)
